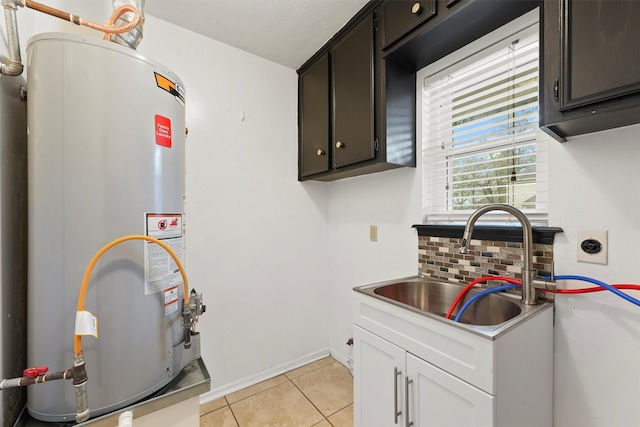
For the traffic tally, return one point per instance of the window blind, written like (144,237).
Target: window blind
(481,142)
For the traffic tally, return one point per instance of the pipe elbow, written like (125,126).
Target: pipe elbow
(12,69)
(12,4)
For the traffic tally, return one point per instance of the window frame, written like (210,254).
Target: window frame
(460,58)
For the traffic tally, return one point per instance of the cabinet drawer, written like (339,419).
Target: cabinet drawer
(400,17)
(463,354)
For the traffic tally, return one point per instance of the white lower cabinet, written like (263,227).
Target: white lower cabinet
(395,388)
(413,370)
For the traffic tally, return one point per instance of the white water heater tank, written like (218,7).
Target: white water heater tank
(105,160)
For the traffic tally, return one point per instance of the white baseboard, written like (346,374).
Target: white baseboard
(218,392)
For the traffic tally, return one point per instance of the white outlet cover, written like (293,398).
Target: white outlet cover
(592,236)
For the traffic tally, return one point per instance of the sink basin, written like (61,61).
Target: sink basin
(490,316)
(437,296)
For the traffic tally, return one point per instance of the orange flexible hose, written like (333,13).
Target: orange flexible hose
(77,340)
(107,29)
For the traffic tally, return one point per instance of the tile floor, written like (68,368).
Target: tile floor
(319,394)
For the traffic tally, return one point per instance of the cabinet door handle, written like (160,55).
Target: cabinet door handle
(340,145)
(406,401)
(556,90)
(416,8)
(396,413)
(321,152)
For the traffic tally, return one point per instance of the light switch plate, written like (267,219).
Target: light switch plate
(593,246)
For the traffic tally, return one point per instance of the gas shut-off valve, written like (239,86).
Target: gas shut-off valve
(191,315)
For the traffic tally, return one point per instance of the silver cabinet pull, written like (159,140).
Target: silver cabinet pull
(406,401)
(340,144)
(396,413)
(321,152)
(416,8)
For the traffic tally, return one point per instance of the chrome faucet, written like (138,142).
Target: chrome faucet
(528,290)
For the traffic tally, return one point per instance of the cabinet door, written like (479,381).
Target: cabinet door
(353,95)
(600,54)
(379,370)
(590,72)
(437,398)
(400,17)
(314,118)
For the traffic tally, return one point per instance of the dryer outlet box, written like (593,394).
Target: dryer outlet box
(593,246)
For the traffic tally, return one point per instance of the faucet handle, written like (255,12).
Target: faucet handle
(548,282)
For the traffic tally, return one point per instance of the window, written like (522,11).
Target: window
(480,137)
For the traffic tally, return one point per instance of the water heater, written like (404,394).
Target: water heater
(105,159)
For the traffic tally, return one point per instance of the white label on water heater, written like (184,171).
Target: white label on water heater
(86,324)
(161,272)
(171,300)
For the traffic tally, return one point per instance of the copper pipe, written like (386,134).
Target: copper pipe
(107,29)
(117,14)
(48,10)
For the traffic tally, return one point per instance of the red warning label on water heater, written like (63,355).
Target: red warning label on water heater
(163,131)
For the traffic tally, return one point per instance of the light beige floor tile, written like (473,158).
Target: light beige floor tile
(310,367)
(342,418)
(255,389)
(220,418)
(330,388)
(205,408)
(323,423)
(282,405)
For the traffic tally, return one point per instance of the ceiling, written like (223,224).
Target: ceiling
(287,32)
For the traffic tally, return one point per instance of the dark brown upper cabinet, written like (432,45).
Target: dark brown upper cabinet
(356,110)
(352,89)
(314,130)
(402,16)
(452,25)
(591,66)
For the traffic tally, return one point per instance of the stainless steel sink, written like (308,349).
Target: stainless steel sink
(436,297)
(490,316)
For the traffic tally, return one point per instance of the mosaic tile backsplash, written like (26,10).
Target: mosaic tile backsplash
(439,257)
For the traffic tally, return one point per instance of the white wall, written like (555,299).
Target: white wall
(391,200)
(595,183)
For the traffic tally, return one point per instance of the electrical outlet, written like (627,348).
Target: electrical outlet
(593,246)
(373,233)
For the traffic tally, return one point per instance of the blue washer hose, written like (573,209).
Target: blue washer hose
(480,295)
(599,283)
(566,277)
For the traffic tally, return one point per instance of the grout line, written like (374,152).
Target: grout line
(313,370)
(254,394)
(233,414)
(312,404)
(325,418)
